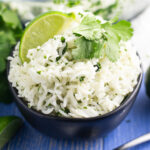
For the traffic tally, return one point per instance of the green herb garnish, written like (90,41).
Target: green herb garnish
(65,49)
(63,39)
(90,28)
(66,110)
(50,105)
(87,49)
(96,40)
(58,102)
(82,78)
(80,14)
(98,66)
(79,101)
(58,58)
(39,72)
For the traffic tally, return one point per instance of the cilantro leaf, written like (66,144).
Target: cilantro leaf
(114,34)
(111,48)
(90,28)
(122,29)
(86,49)
(95,40)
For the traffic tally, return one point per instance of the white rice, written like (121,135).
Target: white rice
(50,86)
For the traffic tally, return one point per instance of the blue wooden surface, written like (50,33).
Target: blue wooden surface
(136,124)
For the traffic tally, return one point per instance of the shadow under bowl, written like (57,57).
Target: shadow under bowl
(76,128)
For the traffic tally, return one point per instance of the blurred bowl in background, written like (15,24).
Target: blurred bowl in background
(132,8)
(127,9)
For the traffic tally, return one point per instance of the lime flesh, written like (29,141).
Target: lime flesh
(41,29)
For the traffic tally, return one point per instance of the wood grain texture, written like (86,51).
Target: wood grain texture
(136,124)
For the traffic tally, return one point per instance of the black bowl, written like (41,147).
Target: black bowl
(73,128)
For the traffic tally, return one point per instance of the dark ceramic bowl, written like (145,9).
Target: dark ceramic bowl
(69,128)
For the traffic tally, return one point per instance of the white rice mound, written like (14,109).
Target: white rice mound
(73,88)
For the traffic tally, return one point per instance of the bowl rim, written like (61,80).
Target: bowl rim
(124,103)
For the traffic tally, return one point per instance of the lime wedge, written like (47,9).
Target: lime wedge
(41,29)
(8,128)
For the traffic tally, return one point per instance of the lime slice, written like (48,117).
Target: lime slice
(41,29)
(8,128)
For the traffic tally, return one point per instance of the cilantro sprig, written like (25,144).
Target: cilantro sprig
(10,32)
(96,39)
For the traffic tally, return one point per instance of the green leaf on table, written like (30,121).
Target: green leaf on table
(8,128)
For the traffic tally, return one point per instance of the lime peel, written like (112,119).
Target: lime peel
(41,29)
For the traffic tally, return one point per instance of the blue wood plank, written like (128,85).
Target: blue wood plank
(136,124)
(30,139)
